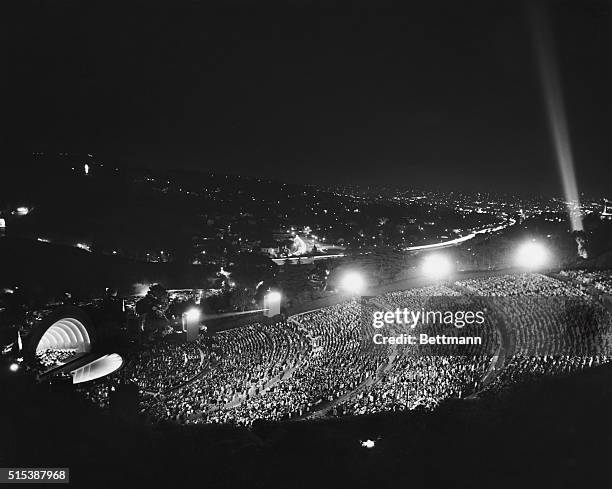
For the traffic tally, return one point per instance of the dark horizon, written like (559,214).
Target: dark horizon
(443,96)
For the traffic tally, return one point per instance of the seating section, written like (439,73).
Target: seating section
(324,362)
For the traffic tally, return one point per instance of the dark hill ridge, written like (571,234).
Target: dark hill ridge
(53,269)
(121,206)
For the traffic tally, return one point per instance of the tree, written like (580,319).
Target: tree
(240,299)
(152,310)
(251,268)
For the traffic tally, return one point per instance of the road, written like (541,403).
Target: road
(462,239)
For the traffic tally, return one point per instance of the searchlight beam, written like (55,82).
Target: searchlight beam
(555,109)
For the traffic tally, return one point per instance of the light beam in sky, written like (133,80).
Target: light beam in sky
(555,108)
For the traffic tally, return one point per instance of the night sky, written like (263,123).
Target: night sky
(443,95)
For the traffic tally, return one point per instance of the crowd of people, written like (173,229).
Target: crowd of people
(523,368)
(601,281)
(522,284)
(243,362)
(425,375)
(419,381)
(554,326)
(551,317)
(325,362)
(155,370)
(337,363)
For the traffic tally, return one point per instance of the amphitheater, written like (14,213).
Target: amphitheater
(321,363)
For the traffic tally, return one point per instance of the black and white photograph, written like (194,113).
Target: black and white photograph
(299,244)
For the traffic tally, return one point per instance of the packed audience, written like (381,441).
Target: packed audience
(521,368)
(601,281)
(156,370)
(425,375)
(339,361)
(324,362)
(523,284)
(243,362)
(419,381)
(554,327)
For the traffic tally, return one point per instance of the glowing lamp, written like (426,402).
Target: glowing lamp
(193,315)
(353,282)
(437,266)
(191,323)
(532,255)
(272,301)
(274,296)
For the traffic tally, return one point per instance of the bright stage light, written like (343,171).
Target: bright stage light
(274,296)
(437,266)
(353,282)
(272,303)
(532,255)
(13,367)
(191,323)
(193,315)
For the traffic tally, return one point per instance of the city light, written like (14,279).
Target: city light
(13,367)
(193,315)
(437,266)
(532,255)
(353,282)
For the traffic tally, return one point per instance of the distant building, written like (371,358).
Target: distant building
(270,249)
(280,235)
(607,212)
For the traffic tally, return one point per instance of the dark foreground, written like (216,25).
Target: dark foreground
(553,433)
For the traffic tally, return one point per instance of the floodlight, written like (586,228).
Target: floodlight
(437,266)
(532,255)
(273,296)
(353,282)
(272,303)
(193,315)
